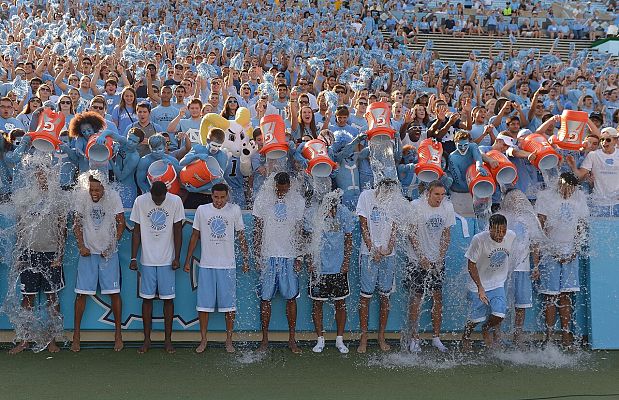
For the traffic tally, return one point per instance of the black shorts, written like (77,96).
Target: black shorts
(39,274)
(328,287)
(421,280)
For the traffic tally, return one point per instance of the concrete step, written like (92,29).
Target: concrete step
(457,49)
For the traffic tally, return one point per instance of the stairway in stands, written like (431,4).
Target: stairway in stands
(458,49)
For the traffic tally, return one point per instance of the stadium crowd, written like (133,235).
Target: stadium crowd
(171,81)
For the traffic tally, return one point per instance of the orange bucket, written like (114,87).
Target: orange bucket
(199,172)
(319,163)
(545,156)
(161,171)
(572,131)
(274,137)
(378,116)
(480,186)
(430,154)
(46,138)
(506,172)
(98,152)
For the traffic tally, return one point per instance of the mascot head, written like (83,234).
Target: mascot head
(238,132)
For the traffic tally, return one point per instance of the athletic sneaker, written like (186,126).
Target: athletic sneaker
(320,345)
(339,343)
(436,342)
(415,346)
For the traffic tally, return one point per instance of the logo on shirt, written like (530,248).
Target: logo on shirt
(497,258)
(377,215)
(565,212)
(610,161)
(158,217)
(97,215)
(218,227)
(435,223)
(280,210)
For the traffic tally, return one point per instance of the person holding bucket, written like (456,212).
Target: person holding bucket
(200,188)
(157,144)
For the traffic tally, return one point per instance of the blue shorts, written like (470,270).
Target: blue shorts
(555,278)
(379,275)
(216,290)
(523,289)
(278,275)
(497,307)
(157,282)
(96,269)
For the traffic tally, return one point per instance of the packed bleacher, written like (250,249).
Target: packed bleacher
(213,99)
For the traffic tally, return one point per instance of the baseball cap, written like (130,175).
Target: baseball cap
(523,132)
(596,115)
(610,131)
(507,139)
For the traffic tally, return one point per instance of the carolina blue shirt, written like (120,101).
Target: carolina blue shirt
(163,115)
(332,244)
(7,125)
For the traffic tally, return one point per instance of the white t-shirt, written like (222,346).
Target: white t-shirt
(562,218)
(430,222)
(491,259)
(605,170)
(279,236)
(156,227)
(379,224)
(527,232)
(99,223)
(217,228)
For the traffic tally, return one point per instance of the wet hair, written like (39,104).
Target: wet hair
(497,220)
(434,184)
(158,189)
(220,187)
(568,178)
(89,117)
(91,178)
(137,132)
(282,178)
(462,134)
(217,135)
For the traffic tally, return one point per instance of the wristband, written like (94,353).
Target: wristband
(134,259)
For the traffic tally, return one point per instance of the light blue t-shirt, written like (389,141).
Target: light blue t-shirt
(163,115)
(332,244)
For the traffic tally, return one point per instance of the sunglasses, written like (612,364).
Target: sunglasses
(304,102)
(363,103)
(64,102)
(606,139)
(339,92)
(44,89)
(178,67)
(233,101)
(97,108)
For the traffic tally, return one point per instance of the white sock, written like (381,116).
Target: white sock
(320,345)
(415,346)
(436,342)
(339,343)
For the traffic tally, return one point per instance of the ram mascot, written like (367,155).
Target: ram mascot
(238,146)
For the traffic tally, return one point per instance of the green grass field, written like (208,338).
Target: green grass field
(103,374)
